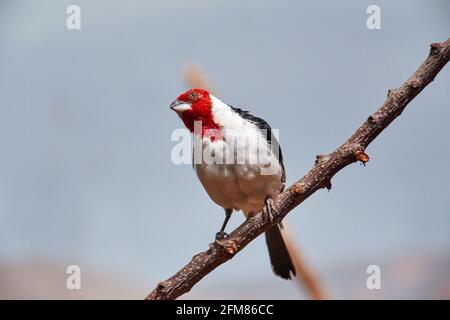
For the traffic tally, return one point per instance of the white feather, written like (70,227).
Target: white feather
(242,183)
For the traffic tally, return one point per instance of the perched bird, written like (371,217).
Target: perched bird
(240,164)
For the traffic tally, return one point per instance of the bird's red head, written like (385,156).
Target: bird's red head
(195,105)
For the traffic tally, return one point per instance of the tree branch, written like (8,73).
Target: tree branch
(318,177)
(306,277)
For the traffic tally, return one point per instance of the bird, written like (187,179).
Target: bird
(240,164)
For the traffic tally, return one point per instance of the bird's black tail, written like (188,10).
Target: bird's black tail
(279,256)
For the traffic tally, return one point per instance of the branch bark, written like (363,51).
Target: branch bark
(326,166)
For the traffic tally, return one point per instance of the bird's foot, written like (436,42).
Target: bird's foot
(268,209)
(221,235)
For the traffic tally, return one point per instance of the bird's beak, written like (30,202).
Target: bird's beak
(180,106)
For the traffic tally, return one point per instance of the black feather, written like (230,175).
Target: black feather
(279,255)
(267,133)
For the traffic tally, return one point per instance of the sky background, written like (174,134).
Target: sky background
(86,175)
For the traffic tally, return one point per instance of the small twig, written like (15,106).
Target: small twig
(195,78)
(306,277)
(318,177)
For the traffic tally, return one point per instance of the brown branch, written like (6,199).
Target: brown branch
(195,78)
(306,277)
(318,177)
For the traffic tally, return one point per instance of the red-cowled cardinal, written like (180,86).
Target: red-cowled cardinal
(246,171)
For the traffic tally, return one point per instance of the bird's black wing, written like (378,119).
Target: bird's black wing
(267,133)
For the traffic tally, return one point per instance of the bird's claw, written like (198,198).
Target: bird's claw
(268,209)
(221,235)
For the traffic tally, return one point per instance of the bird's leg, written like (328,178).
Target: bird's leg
(222,234)
(268,208)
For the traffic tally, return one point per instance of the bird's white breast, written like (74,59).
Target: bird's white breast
(254,172)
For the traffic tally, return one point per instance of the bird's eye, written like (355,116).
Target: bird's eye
(193,95)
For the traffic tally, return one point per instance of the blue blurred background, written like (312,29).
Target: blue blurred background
(86,176)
